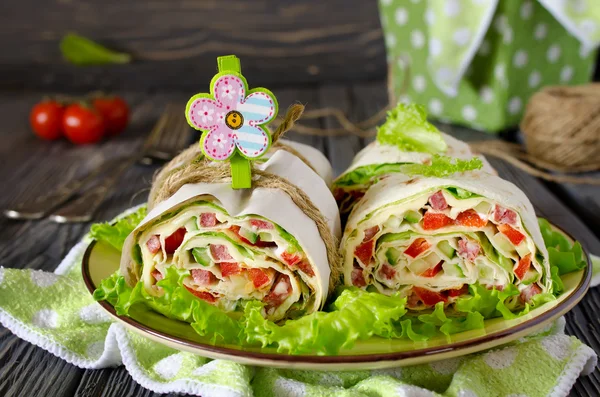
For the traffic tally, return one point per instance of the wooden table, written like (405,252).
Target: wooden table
(29,167)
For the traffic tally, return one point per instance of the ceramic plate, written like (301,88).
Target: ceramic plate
(101,260)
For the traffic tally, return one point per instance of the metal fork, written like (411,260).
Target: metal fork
(167,138)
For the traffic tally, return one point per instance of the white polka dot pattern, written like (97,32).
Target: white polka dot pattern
(43,279)
(45,318)
(169,366)
(93,314)
(469,113)
(555,346)
(401,16)
(500,359)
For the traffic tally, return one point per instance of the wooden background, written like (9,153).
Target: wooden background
(175,43)
(321,53)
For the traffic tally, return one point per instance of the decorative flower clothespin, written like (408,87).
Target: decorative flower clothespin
(234,120)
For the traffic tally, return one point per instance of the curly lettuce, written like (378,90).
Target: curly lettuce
(407,127)
(442,166)
(175,302)
(566,256)
(355,315)
(115,234)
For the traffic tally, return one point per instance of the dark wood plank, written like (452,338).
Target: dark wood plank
(175,44)
(26,370)
(310,99)
(368,99)
(340,149)
(584,200)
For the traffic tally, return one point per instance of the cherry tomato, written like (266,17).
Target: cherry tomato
(82,124)
(115,112)
(46,120)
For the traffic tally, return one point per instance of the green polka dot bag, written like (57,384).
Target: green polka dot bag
(477,62)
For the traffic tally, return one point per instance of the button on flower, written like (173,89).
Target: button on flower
(232,119)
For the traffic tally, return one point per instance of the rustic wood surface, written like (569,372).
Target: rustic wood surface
(29,167)
(175,43)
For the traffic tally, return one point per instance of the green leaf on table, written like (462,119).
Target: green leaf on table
(82,51)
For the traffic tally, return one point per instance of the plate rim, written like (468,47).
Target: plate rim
(569,302)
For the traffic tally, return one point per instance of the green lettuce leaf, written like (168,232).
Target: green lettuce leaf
(407,127)
(355,315)
(461,194)
(365,174)
(176,302)
(115,234)
(492,303)
(442,166)
(565,256)
(451,325)
(83,51)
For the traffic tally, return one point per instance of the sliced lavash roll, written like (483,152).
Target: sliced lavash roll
(377,160)
(431,238)
(274,242)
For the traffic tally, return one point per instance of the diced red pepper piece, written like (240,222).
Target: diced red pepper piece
(203,277)
(513,235)
(417,247)
(258,243)
(530,292)
(290,259)
(281,289)
(157,275)
(370,233)
(504,215)
(208,219)
(153,244)
(429,298)
(438,202)
(523,266)
(220,253)
(174,240)
(229,268)
(261,225)
(388,271)
(432,271)
(205,296)
(258,277)
(434,221)
(364,252)
(453,293)
(358,277)
(470,218)
(306,268)
(468,249)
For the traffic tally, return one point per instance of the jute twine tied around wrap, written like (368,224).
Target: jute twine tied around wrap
(191,167)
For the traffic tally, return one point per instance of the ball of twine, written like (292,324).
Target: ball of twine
(562,127)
